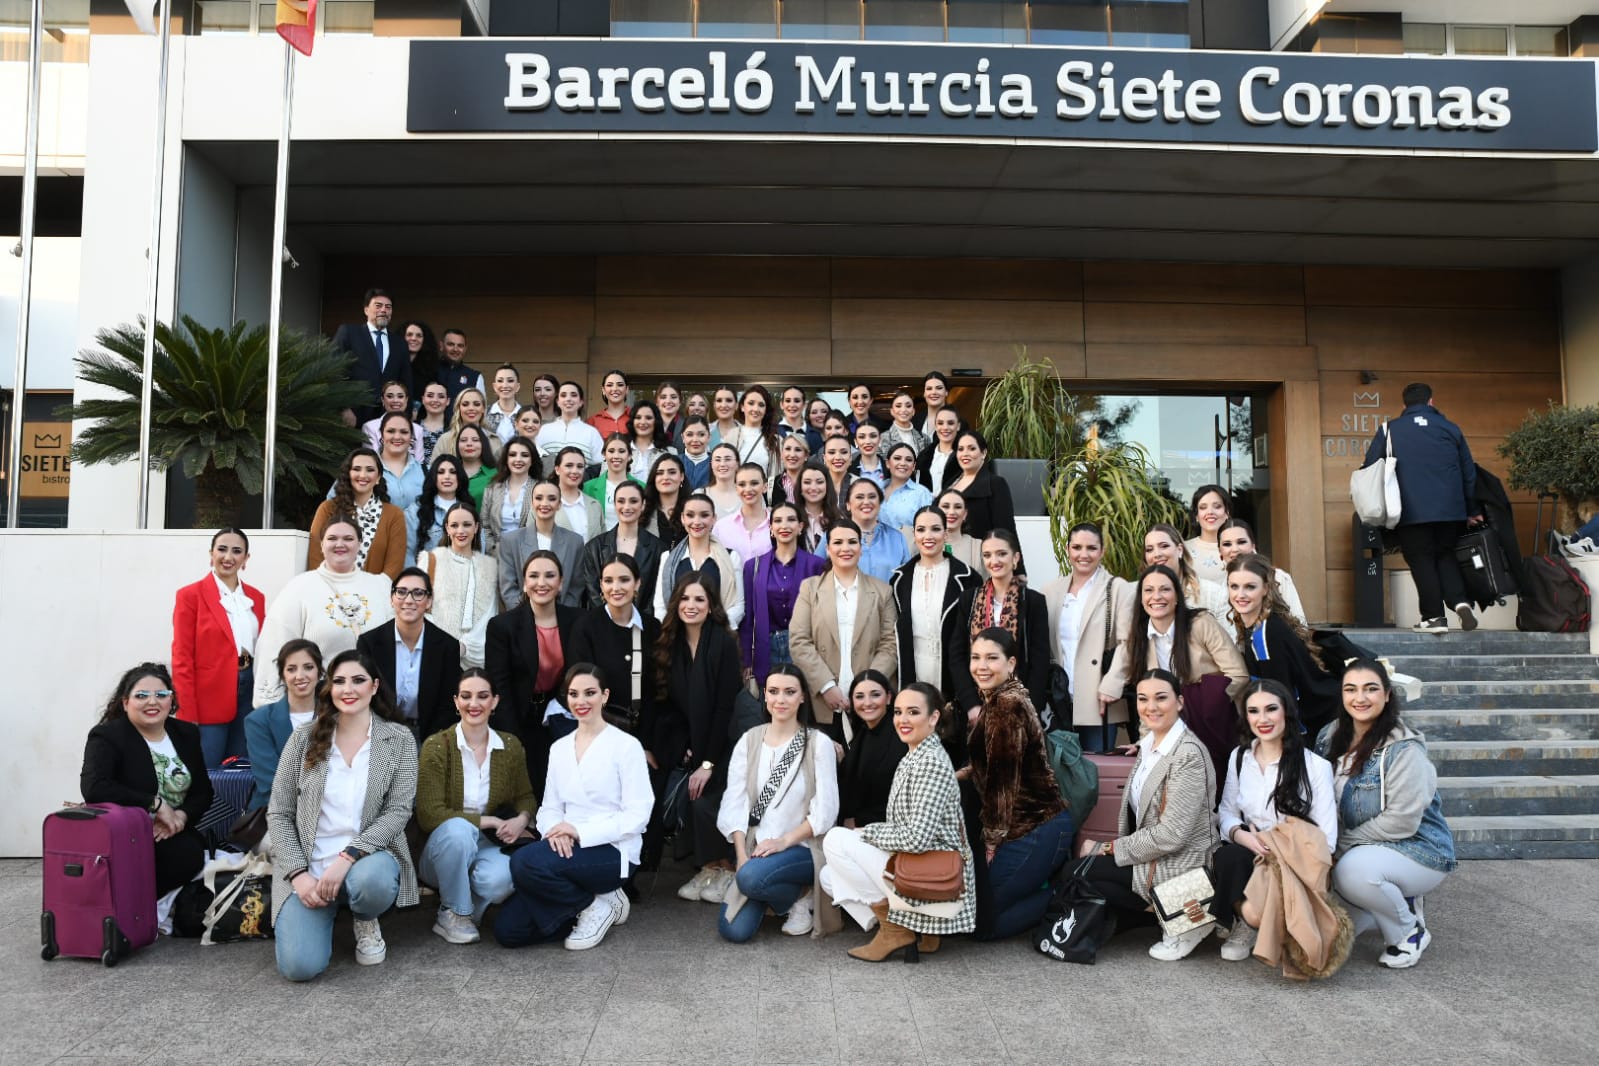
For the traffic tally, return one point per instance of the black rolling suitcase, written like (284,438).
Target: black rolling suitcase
(1482,566)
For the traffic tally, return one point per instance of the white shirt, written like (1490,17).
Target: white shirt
(553,436)
(936,468)
(1162,643)
(300,718)
(787,808)
(241,615)
(475,778)
(1246,799)
(927,619)
(1148,756)
(343,796)
(577,516)
(606,797)
(1071,623)
(845,599)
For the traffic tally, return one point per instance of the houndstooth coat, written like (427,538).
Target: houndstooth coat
(924,814)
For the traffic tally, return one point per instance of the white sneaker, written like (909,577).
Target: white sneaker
(1406,953)
(1432,625)
(369,946)
(456,928)
(592,924)
(1468,620)
(716,889)
(695,887)
(1240,942)
(620,904)
(800,919)
(1172,948)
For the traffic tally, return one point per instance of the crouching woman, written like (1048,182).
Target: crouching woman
(924,814)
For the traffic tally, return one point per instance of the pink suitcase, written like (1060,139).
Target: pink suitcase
(99,882)
(1114,770)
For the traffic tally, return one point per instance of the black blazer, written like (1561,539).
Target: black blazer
(695,721)
(956,589)
(441,669)
(586,579)
(117,767)
(924,470)
(356,339)
(1032,639)
(988,504)
(1288,661)
(866,776)
(511,659)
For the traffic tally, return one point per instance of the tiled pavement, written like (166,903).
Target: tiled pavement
(1512,977)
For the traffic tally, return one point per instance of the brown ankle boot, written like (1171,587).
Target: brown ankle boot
(890,938)
(928,943)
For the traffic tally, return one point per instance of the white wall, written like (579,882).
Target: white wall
(63,108)
(53,316)
(68,646)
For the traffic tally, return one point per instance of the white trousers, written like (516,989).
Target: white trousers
(1379,884)
(853,875)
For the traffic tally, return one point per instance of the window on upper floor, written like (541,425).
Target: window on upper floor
(1444,39)
(821,20)
(66,31)
(343,17)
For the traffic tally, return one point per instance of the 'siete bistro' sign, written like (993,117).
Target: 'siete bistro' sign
(892,90)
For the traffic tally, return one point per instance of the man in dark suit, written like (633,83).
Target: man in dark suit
(454,374)
(380,353)
(418,663)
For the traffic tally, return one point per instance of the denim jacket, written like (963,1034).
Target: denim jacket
(1393,801)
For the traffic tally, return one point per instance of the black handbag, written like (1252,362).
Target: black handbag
(1076,922)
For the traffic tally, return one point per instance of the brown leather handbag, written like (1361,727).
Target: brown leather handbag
(929,876)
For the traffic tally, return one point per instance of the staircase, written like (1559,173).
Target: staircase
(1512,724)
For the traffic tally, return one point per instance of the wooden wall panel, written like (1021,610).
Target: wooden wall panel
(1367,286)
(913,358)
(1203,363)
(967,279)
(1183,283)
(500,322)
(710,316)
(1429,340)
(731,358)
(1141,323)
(1295,489)
(1005,321)
(781,276)
(1486,405)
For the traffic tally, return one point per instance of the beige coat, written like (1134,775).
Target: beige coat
(1302,928)
(1093,658)
(813,634)
(1210,651)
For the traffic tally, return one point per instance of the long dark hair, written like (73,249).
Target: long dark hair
(830,511)
(426,504)
(876,677)
(425,365)
(671,524)
(1292,795)
(1343,730)
(807,715)
(294,647)
(659,438)
(113,707)
(502,473)
(1138,637)
(667,645)
(320,741)
(1199,494)
(344,491)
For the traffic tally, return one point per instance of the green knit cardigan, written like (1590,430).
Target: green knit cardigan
(440,779)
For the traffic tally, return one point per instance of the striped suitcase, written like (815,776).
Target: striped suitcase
(232,784)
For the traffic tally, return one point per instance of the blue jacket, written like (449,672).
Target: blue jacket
(1392,801)
(1437,476)
(266,730)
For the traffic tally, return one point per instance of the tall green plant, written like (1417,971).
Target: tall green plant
(1556,451)
(1114,487)
(1027,412)
(208,408)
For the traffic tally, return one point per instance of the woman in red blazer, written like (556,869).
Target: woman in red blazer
(215,623)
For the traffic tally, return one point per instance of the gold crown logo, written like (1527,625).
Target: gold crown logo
(47,440)
(1367,399)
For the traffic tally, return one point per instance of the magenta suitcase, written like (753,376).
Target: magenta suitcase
(1114,770)
(99,882)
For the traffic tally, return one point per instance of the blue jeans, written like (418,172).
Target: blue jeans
(550,891)
(1019,873)
(469,870)
(219,741)
(774,881)
(777,648)
(1097,739)
(304,935)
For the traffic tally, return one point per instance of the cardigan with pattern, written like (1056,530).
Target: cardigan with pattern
(440,781)
(296,804)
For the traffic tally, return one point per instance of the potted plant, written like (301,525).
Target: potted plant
(1115,486)
(1030,423)
(1558,451)
(208,409)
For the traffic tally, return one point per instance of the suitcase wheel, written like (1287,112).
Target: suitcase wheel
(114,945)
(109,958)
(47,936)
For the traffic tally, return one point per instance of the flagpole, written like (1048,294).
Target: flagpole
(30,187)
(153,268)
(274,324)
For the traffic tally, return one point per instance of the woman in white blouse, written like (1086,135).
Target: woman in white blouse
(1207,512)
(569,430)
(782,795)
(597,802)
(463,579)
(1237,538)
(1275,778)
(927,592)
(723,487)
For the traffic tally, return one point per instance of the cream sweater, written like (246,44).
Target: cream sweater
(329,609)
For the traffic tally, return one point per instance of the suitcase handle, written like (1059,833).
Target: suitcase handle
(80,813)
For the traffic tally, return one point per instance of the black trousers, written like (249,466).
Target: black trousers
(1429,551)
(1115,883)
(709,843)
(177,859)
(1231,868)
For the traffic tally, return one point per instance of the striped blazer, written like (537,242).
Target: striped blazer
(297,802)
(1182,836)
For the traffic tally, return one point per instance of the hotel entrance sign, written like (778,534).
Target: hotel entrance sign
(942,91)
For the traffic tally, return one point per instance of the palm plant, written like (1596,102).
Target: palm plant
(1113,486)
(1027,412)
(208,408)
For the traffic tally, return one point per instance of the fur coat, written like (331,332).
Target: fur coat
(1010,769)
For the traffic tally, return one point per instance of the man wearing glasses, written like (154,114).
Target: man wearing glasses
(418,663)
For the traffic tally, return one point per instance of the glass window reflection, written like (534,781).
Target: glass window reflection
(821,20)
(988,21)
(904,20)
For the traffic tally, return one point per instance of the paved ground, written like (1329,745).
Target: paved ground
(1512,977)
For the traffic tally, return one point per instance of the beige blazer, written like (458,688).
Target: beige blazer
(1179,838)
(1093,657)
(813,634)
(1210,651)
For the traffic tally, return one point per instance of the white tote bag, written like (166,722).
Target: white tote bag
(1375,489)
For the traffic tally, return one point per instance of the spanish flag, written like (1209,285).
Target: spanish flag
(297,23)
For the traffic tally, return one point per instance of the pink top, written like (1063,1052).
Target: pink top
(552,659)
(731,533)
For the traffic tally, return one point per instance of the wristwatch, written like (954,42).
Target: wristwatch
(707,765)
(353,853)
(155,804)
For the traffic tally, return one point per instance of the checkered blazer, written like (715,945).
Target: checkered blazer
(1178,838)
(297,803)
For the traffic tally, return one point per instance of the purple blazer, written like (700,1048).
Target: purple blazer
(755,630)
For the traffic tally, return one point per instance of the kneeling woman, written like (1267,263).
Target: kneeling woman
(924,814)
(340,802)
(1026,829)
(472,798)
(1165,822)
(782,795)
(1393,843)
(597,802)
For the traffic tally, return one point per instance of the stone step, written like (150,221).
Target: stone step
(1505,723)
(1517,795)
(1533,668)
(1546,836)
(1479,642)
(1496,695)
(1476,758)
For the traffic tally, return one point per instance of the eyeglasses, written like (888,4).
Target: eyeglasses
(157,694)
(411,594)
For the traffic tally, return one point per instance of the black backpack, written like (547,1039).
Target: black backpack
(1554,598)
